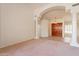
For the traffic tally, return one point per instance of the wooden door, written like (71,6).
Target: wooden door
(56,29)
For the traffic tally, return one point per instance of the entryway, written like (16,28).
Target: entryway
(56,29)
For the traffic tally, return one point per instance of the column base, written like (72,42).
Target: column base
(36,38)
(74,44)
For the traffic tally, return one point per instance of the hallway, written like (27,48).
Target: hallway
(41,47)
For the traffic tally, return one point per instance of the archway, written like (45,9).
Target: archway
(55,16)
(52,15)
(42,10)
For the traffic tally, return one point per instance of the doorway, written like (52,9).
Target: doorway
(56,29)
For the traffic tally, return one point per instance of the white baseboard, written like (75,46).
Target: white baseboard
(74,44)
(67,39)
(13,43)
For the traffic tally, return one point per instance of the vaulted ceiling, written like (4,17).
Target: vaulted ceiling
(55,12)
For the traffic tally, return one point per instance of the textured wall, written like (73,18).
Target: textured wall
(16,23)
(44,28)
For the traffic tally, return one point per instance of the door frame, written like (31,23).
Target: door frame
(49,31)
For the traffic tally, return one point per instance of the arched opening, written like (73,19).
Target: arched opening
(69,27)
(51,22)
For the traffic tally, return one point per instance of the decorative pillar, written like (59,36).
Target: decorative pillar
(74,29)
(37,28)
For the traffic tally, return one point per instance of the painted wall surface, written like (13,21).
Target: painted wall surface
(0,24)
(67,21)
(44,28)
(17,24)
(57,20)
(78,27)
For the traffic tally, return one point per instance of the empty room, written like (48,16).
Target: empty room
(39,29)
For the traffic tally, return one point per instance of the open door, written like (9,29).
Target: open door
(56,29)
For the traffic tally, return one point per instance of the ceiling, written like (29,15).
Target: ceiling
(55,12)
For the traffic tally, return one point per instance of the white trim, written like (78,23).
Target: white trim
(74,29)
(67,39)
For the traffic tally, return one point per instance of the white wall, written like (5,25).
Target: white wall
(67,21)
(0,24)
(16,24)
(78,28)
(44,28)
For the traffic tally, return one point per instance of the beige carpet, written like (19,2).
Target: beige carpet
(41,47)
